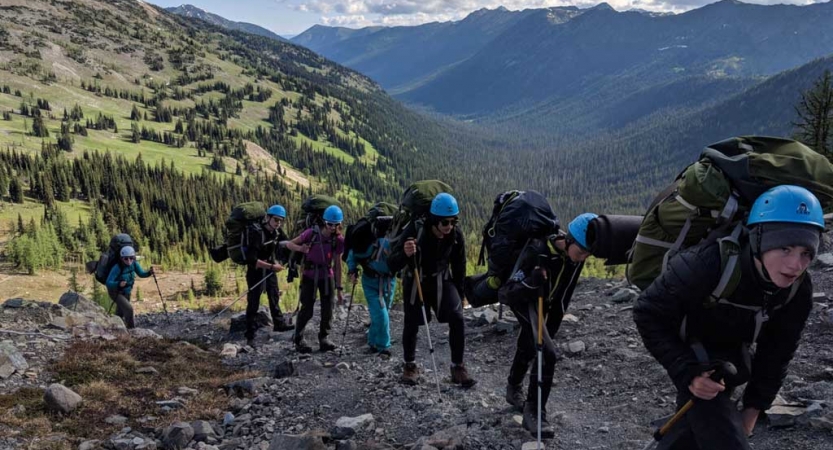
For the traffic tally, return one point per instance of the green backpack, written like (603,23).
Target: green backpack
(415,205)
(710,199)
(236,237)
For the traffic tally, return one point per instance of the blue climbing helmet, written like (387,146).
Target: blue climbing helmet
(577,229)
(333,214)
(277,211)
(444,205)
(127,251)
(787,203)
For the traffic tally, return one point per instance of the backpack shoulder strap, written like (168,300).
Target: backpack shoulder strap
(729,263)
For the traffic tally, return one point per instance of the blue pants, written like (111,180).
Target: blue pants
(379,295)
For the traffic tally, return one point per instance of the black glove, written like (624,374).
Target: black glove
(537,278)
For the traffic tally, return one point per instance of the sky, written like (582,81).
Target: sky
(291,17)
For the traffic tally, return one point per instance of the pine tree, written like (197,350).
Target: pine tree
(16,191)
(39,128)
(815,116)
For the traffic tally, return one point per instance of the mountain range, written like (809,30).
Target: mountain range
(197,13)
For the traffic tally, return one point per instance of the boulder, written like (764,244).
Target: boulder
(576,347)
(447,439)
(285,369)
(203,430)
(784,416)
(61,399)
(263,319)
(229,350)
(355,423)
(624,296)
(144,333)
(78,303)
(11,360)
(306,441)
(177,436)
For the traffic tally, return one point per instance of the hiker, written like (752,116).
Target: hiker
(120,283)
(378,282)
(322,247)
(262,256)
(548,267)
(438,250)
(689,318)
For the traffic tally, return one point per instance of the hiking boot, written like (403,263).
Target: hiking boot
(301,346)
(530,421)
(281,325)
(459,375)
(515,396)
(325,345)
(410,374)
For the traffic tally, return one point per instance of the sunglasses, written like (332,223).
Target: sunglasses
(128,258)
(331,224)
(447,222)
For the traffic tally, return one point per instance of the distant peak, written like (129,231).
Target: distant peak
(603,7)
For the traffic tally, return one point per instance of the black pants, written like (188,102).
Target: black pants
(253,277)
(123,307)
(526,354)
(709,425)
(326,289)
(450,311)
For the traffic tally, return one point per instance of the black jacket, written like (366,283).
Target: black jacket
(684,291)
(435,256)
(562,277)
(264,245)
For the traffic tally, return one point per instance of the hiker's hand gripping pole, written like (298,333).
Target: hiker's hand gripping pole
(241,296)
(721,369)
(347,320)
(427,328)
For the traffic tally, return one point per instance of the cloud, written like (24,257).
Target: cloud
(360,13)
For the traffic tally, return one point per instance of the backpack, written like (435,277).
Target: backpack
(364,233)
(415,205)
(517,218)
(236,236)
(314,207)
(111,257)
(711,198)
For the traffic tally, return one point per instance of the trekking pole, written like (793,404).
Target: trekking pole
(347,320)
(164,306)
(540,348)
(241,296)
(427,328)
(721,369)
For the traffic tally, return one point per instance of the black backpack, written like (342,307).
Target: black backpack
(362,234)
(235,233)
(517,217)
(111,257)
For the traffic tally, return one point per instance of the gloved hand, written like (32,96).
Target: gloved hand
(537,278)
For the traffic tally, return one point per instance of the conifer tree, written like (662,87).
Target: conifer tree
(814,126)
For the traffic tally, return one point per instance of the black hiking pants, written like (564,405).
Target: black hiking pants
(450,311)
(123,307)
(709,425)
(326,289)
(253,277)
(526,354)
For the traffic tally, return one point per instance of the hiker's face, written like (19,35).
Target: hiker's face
(577,254)
(446,225)
(785,265)
(330,228)
(275,222)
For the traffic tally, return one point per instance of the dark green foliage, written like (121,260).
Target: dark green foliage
(814,126)
(39,128)
(213,282)
(16,190)
(7,115)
